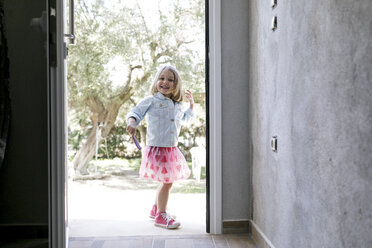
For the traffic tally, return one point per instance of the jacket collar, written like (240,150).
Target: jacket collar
(161,96)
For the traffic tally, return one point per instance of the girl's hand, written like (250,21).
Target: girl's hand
(189,97)
(131,126)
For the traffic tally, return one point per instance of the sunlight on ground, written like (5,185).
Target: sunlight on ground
(119,204)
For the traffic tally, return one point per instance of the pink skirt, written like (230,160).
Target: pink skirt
(163,164)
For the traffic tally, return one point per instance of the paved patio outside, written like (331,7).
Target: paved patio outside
(104,208)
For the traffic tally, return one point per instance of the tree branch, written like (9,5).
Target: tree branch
(132,101)
(96,107)
(143,20)
(131,69)
(126,93)
(94,104)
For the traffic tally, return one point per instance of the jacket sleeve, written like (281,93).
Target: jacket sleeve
(188,115)
(139,111)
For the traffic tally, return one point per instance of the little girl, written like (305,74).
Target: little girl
(161,159)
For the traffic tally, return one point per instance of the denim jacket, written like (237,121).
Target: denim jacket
(164,118)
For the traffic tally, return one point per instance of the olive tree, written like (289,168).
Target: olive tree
(139,42)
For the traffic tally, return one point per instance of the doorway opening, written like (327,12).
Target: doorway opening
(119,46)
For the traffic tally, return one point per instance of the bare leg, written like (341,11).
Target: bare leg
(157,193)
(163,195)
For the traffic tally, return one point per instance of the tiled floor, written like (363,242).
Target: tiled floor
(183,241)
(104,216)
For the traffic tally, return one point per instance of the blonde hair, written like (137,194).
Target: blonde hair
(177,92)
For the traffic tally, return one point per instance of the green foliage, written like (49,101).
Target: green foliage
(118,144)
(134,163)
(87,59)
(188,135)
(131,33)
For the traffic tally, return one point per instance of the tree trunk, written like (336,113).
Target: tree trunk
(86,152)
(107,118)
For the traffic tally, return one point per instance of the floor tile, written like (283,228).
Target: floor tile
(203,243)
(80,244)
(144,243)
(130,243)
(117,244)
(97,244)
(240,242)
(81,238)
(158,243)
(165,241)
(178,243)
(220,242)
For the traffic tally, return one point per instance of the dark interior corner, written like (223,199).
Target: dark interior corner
(4,91)
(23,210)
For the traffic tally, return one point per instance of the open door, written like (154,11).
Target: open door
(57,52)
(57,91)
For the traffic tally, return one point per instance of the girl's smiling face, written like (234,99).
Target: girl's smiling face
(165,84)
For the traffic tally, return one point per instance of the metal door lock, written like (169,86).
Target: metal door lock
(274,143)
(274,3)
(274,23)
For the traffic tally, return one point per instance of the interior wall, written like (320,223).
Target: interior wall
(236,173)
(24,173)
(310,85)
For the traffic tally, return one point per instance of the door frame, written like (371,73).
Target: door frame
(57,126)
(214,116)
(58,231)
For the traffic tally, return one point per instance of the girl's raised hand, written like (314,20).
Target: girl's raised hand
(189,97)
